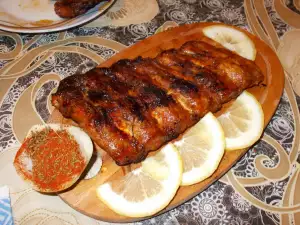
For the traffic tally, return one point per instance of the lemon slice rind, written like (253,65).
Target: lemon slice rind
(213,155)
(154,204)
(246,138)
(232,39)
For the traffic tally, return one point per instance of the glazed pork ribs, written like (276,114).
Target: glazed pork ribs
(136,106)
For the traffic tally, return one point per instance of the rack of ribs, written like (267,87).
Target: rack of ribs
(136,106)
(73,8)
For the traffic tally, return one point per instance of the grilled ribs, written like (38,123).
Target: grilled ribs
(136,106)
(73,8)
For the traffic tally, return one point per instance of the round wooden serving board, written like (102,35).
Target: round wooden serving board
(82,196)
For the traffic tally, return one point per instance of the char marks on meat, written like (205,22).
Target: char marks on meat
(136,106)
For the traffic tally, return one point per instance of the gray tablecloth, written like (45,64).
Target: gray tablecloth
(264,191)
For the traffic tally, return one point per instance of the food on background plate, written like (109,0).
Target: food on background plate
(52,157)
(136,106)
(147,189)
(73,8)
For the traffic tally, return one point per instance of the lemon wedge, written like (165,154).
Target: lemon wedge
(243,122)
(232,39)
(201,148)
(145,190)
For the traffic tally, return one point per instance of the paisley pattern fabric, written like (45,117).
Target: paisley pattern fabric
(262,188)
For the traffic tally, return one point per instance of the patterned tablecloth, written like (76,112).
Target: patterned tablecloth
(262,188)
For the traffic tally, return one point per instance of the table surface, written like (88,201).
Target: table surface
(260,189)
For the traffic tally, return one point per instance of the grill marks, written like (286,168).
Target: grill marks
(157,104)
(135,106)
(231,69)
(214,86)
(127,107)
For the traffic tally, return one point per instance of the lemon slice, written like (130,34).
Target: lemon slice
(232,39)
(201,148)
(148,189)
(243,122)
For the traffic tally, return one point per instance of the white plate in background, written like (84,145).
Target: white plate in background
(38,16)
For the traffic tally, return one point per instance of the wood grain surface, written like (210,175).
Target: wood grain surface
(82,196)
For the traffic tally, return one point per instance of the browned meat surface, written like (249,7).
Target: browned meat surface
(73,8)
(136,106)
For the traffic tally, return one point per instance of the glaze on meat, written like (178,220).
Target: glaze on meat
(136,106)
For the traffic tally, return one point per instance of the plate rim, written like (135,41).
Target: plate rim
(61,26)
(240,153)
